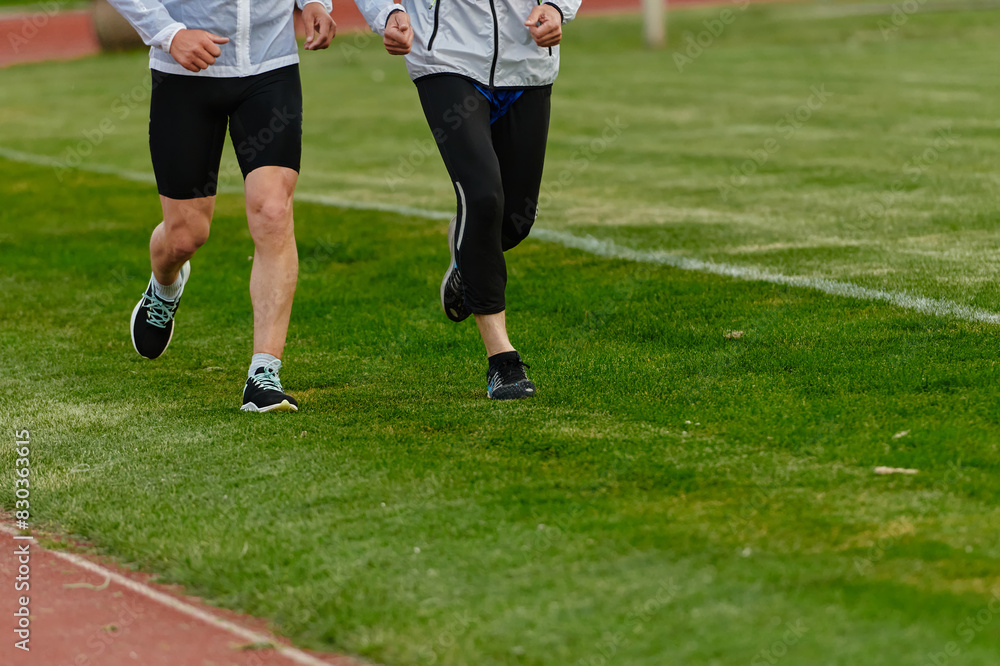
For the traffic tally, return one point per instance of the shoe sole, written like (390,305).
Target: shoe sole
(135,311)
(451,314)
(283,406)
(519,396)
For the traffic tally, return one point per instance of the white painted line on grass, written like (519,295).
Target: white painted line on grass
(608,249)
(46,161)
(297,656)
(148,178)
(611,250)
(324,200)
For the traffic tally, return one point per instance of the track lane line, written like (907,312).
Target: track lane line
(248,635)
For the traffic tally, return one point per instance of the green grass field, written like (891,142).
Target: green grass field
(673,496)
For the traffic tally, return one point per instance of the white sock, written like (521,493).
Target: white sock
(168,292)
(258,361)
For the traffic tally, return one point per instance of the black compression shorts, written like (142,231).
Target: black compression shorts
(188,116)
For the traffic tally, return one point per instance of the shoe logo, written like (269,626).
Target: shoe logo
(493,383)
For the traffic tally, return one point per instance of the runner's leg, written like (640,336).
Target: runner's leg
(519,139)
(266,130)
(459,117)
(187,129)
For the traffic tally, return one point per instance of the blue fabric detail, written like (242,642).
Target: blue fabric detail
(500,101)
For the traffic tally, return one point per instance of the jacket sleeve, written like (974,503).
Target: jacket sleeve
(376,12)
(327,4)
(151,20)
(568,8)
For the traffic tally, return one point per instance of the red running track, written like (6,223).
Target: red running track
(80,611)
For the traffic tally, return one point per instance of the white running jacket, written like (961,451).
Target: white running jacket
(261,33)
(482,40)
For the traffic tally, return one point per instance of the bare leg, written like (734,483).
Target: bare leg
(276,261)
(185,227)
(493,328)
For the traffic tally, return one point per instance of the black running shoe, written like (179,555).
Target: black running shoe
(452,290)
(153,319)
(263,393)
(506,379)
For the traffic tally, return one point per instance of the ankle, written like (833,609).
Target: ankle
(262,360)
(169,291)
(503,357)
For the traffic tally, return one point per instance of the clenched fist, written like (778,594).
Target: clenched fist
(545,25)
(195,50)
(398,34)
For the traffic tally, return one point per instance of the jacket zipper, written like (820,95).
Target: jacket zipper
(242,41)
(434,33)
(496,42)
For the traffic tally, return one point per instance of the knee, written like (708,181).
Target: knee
(270,218)
(188,232)
(486,203)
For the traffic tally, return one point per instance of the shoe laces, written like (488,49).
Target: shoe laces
(159,312)
(267,377)
(512,372)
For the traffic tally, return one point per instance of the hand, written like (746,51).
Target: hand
(398,34)
(195,50)
(320,27)
(545,25)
